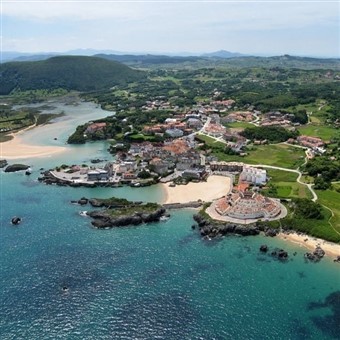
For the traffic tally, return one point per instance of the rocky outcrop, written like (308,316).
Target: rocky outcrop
(263,248)
(316,255)
(16,220)
(3,163)
(271,232)
(103,219)
(83,201)
(210,229)
(193,204)
(280,254)
(16,167)
(96,160)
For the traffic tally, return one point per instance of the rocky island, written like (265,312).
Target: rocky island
(119,212)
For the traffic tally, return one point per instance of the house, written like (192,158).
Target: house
(97,175)
(194,123)
(226,166)
(94,127)
(159,166)
(193,173)
(174,133)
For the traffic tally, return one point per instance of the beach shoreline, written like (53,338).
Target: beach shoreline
(215,187)
(15,148)
(310,243)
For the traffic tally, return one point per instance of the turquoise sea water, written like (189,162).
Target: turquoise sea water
(153,281)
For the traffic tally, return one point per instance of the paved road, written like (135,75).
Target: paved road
(309,186)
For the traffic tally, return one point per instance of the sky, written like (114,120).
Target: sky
(277,27)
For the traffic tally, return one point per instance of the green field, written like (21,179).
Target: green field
(282,184)
(282,155)
(323,132)
(237,125)
(331,199)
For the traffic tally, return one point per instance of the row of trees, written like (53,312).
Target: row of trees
(273,134)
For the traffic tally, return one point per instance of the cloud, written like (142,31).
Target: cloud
(167,26)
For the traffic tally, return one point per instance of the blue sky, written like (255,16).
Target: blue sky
(253,27)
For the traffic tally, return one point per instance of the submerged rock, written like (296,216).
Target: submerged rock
(280,254)
(264,248)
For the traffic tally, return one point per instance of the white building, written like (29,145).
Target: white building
(253,175)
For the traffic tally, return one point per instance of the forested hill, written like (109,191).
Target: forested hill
(69,72)
(233,61)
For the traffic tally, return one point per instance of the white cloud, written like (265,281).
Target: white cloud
(166,26)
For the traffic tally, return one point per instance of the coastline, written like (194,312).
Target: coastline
(215,187)
(16,149)
(310,243)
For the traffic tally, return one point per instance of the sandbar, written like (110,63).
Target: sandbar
(215,187)
(310,242)
(17,149)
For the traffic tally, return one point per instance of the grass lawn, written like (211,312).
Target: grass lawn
(321,131)
(285,185)
(331,199)
(142,137)
(239,125)
(211,142)
(281,155)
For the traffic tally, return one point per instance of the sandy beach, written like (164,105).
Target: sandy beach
(214,187)
(16,149)
(309,242)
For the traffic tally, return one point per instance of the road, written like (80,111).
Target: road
(309,186)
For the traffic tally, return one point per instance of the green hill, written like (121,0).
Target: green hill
(69,72)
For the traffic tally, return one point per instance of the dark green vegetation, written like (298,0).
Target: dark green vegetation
(134,209)
(228,60)
(117,207)
(273,134)
(324,170)
(310,218)
(118,127)
(67,72)
(121,212)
